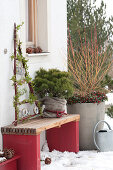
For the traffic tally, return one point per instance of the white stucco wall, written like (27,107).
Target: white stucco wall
(9,13)
(52,37)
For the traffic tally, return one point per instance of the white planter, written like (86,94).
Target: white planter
(90,114)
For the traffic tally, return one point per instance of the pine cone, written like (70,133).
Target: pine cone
(8,153)
(29,50)
(33,50)
(38,50)
(47,161)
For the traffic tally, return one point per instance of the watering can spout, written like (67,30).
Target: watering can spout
(103,139)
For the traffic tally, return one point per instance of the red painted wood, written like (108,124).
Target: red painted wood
(15,83)
(65,138)
(28,147)
(10,164)
(77,136)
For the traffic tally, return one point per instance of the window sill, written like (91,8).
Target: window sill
(38,54)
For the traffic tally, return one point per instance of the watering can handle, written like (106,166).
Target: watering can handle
(94,131)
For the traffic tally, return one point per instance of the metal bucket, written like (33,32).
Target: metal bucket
(103,139)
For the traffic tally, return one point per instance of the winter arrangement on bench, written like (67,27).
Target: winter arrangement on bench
(49,88)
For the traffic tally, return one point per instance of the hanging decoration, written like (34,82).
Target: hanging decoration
(21,68)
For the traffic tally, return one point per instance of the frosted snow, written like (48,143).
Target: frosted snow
(2,159)
(84,160)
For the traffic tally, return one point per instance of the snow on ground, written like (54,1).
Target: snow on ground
(84,160)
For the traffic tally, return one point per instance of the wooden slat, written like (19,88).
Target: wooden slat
(30,21)
(37,125)
(35,21)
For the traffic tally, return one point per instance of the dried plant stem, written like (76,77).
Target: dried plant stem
(88,65)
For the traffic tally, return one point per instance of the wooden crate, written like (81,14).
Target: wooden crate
(10,164)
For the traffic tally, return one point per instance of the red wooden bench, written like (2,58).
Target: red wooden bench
(62,134)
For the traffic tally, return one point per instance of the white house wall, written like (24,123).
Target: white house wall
(52,38)
(9,13)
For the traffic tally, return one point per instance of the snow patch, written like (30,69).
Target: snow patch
(84,160)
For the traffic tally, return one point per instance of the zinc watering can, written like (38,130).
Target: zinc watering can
(103,139)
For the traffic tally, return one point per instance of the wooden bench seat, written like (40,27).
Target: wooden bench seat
(62,134)
(37,125)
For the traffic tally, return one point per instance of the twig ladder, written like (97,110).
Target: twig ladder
(24,65)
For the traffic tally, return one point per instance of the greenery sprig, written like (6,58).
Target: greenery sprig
(53,83)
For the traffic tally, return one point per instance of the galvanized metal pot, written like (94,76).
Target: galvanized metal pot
(90,114)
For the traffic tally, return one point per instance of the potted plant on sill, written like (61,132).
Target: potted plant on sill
(53,87)
(88,65)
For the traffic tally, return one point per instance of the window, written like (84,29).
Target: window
(37,23)
(31,23)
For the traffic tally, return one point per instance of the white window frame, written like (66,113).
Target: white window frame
(42,14)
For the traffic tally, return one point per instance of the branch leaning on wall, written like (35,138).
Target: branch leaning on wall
(18,56)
